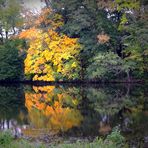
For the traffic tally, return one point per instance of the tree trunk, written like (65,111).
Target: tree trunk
(6,32)
(14,32)
(2,38)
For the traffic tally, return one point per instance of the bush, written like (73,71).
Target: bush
(5,138)
(114,140)
(7,141)
(25,144)
(116,137)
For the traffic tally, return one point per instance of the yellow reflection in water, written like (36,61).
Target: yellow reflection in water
(55,110)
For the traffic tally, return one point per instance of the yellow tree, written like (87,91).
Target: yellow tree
(51,56)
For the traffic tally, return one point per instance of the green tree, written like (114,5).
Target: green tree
(10,18)
(133,35)
(109,65)
(83,19)
(107,31)
(11,67)
(136,43)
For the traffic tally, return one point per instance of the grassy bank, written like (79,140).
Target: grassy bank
(114,140)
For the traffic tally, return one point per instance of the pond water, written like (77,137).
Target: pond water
(51,113)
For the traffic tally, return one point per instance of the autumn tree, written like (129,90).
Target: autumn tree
(51,56)
(112,35)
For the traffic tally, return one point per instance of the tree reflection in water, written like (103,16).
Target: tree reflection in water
(53,109)
(12,110)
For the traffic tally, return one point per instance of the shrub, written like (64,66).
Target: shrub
(5,138)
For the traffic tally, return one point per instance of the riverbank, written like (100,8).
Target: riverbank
(73,82)
(115,139)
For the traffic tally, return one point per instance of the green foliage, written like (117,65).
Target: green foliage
(86,20)
(124,53)
(7,141)
(83,19)
(115,139)
(109,101)
(107,64)
(10,18)
(113,41)
(10,143)
(25,144)
(11,101)
(137,46)
(5,138)
(10,62)
(103,101)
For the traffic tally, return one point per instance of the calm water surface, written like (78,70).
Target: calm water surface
(75,112)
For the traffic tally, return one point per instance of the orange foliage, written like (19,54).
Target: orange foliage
(103,38)
(44,19)
(29,34)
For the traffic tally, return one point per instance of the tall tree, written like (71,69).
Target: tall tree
(11,67)
(83,19)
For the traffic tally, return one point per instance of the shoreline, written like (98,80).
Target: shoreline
(75,82)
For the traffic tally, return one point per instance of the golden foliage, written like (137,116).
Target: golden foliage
(51,56)
(50,53)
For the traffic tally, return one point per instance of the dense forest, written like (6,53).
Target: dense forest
(86,40)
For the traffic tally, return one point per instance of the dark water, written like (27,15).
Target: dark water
(74,112)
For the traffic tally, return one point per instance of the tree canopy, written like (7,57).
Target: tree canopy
(79,39)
